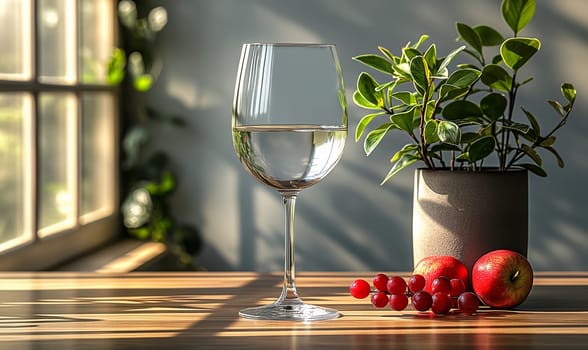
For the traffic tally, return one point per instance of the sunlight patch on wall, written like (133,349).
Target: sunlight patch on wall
(569,10)
(564,248)
(284,27)
(573,235)
(191,95)
(223,234)
(269,226)
(351,14)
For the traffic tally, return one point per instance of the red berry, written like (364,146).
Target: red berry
(359,289)
(380,299)
(457,287)
(441,285)
(468,303)
(396,285)
(380,281)
(441,303)
(416,283)
(398,302)
(422,300)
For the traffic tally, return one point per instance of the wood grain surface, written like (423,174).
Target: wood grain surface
(199,310)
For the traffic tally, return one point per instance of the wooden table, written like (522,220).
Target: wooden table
(199,311)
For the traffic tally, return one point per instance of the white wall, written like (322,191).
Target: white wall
(349,222)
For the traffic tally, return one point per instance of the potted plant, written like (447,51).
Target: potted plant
(464,125)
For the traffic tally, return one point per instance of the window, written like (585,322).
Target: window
(58,127)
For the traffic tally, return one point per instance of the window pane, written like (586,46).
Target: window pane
(15,58)
(57,162)
(98,147)
(15,169)
(57,39)
(96,39)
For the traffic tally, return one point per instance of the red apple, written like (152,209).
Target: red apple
(432,267)
(502,278)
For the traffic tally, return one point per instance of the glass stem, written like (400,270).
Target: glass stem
(289,293)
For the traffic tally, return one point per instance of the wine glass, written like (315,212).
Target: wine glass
(289,128)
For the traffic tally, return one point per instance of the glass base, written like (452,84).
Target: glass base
(286,312)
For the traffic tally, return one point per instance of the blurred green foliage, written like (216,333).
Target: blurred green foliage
(148,177)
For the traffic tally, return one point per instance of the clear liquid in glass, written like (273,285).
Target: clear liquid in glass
(289,157)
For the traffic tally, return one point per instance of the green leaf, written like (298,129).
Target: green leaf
(152,187)
(560,161)
(537,170)
(359,100)
(461,109)
(518,127)
(407,149)
(534,124)
(447,60)
(430,110)
(557,107)
(115,70)
(548,141)
(493,105)
(405,97)
(496,77)
(421,40)
(430,57)
(449,92)
(167,183)
(485,130)
(440,74)
(518,13)
(409,53)
(388,54)
(366,85)
(516,52)
(531,153)
(402,71)
(469,137)
(497,59)
(463,78)
(141,233)
(448,132)
(469,35)
(420,73)
(374,137)
(143,82)
(404,120)
(569,92)
(391,84)
(445,147)
(402,163)
(488,35)
(481,148)
(376,62)
(431,132)
(475,54)
(526,81)
(530,135)
(363,123)
(463,157)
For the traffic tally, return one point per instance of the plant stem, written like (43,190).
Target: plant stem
(519,154)
(512,96)
(423,145)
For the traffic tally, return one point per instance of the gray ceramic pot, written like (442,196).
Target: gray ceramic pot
(466,214)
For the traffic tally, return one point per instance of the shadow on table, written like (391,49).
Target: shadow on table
(556,298)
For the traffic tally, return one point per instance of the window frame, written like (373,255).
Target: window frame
(31,252)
